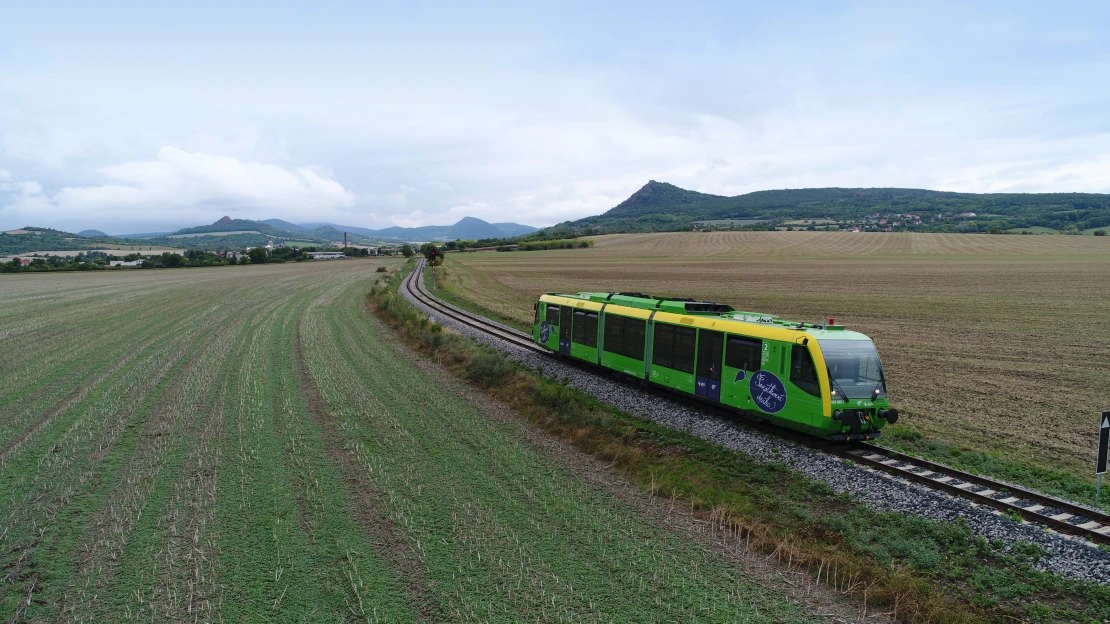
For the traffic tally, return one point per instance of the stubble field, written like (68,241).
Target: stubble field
(991,343)
(246,444)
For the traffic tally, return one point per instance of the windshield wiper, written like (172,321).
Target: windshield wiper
(837,391)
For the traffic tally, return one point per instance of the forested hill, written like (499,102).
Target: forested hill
(33,239)
(659,206)
(227,224)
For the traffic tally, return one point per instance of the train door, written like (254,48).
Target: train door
(566,317)
(710,352)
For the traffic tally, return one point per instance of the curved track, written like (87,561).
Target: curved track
(1058,515)
(414,284)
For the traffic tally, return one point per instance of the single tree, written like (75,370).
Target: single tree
(258,255)
(406,250)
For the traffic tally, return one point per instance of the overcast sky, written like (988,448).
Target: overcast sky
(150,116)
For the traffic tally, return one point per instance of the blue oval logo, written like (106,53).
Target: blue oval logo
(768,392)
(545,331)
(741,374)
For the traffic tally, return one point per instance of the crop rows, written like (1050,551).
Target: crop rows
(497,532)
(244,444)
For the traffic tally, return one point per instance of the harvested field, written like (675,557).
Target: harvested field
(991,343)
(245,444)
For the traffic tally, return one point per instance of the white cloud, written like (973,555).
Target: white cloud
(179,178)
(179,183)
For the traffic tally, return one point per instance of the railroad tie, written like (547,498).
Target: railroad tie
(1088,525)
(1062,516)
(963,486)
(986,492)
(1034,508)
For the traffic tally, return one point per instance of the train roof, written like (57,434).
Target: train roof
(713,310)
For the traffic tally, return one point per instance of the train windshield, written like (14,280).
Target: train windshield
(854,368)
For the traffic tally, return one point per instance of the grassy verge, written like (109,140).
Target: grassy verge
(921,571)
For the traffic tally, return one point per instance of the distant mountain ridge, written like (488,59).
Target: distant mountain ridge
(467,228)
(228,233)
(659,206)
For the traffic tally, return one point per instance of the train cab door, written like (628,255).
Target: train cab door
(566,317)
(708,370)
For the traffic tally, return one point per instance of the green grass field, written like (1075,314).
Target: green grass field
(246,445)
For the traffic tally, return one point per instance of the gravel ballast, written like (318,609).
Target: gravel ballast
(1066,556)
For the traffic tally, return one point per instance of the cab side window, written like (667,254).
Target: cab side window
(802,371)
(553,315)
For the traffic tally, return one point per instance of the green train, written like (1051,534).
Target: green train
(819,379)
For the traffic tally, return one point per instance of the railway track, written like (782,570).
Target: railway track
(414,284)
(1058,515)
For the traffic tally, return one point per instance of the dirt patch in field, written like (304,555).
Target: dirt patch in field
(364,498)
(819,600)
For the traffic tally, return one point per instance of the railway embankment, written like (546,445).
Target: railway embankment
(959,548)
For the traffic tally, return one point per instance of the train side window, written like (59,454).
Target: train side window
(624,336)
(673,347)
(585,328)
(536,314)
(614,333)
(634,338)
(684,344)
(802,371)
(662,345)
(589,337)
(743,353)
(552,315)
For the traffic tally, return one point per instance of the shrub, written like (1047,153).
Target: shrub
(489,368)
(554,244)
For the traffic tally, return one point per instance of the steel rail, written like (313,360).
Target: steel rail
(414,285)
(1061,515)
(1066,517)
